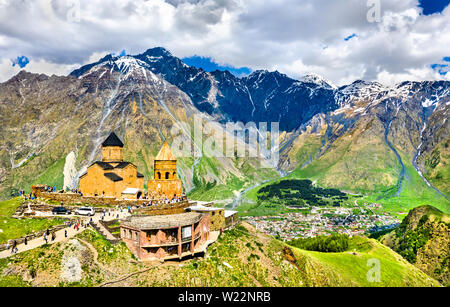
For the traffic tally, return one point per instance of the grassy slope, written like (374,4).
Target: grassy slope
(53,176)
(208,189)
(347,269)
(414,191)
(241,257)
(249,206)
(424,242)
(437,168)
(14,228)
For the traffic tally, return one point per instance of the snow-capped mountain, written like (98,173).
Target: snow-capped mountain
(319,80)
(263,96)
(357,131)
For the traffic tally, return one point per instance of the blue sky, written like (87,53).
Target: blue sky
(442,68)
(350,37)
(21,61)
(433,6)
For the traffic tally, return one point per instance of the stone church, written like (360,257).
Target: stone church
(112,177)
(165,182)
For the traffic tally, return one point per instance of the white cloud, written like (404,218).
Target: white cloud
(288,35)
(7,70)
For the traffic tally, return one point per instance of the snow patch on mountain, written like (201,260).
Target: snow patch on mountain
(319,80)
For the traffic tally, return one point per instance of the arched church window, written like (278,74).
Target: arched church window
(167,175)
(159,175)
(174,175)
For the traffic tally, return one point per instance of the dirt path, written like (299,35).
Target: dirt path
(95,254)
(124,277)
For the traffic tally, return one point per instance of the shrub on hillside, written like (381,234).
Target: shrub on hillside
(335,243)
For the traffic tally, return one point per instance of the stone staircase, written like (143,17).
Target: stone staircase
(105,233)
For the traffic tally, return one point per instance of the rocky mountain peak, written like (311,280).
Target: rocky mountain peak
(158,51)
(318,80)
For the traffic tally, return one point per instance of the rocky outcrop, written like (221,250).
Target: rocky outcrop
(423,238)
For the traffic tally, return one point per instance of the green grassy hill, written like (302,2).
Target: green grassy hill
(351,268)
(11,228)
(423,238)
(241,257)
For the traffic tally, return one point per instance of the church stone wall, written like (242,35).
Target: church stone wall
(112,154)
(95,182)
(129,175)
(76,199)
(167,188)
(165,167)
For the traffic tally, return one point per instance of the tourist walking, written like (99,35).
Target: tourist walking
(45,238)
(53,236)
(14,243)
(26,241)
(65,233)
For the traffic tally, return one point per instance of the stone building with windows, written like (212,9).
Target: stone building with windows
(112,177)
(166,237)
(217,215)
(165,182)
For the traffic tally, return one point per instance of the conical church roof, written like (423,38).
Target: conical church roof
(165,154)
(112,140)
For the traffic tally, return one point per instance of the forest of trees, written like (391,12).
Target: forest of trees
(299,192)
(335,243)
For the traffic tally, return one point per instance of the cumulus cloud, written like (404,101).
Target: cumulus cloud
(292,36)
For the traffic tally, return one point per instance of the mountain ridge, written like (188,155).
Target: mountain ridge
(352,133)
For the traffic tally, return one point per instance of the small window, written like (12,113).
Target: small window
(159,175)
(167,175)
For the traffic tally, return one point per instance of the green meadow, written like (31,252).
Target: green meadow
(12,228)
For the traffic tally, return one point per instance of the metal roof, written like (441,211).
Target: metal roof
(165,154)
(113,177)
(112,140)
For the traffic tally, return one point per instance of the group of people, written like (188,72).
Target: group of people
(76,191)
(164,201)
(30,196)
(49,189)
